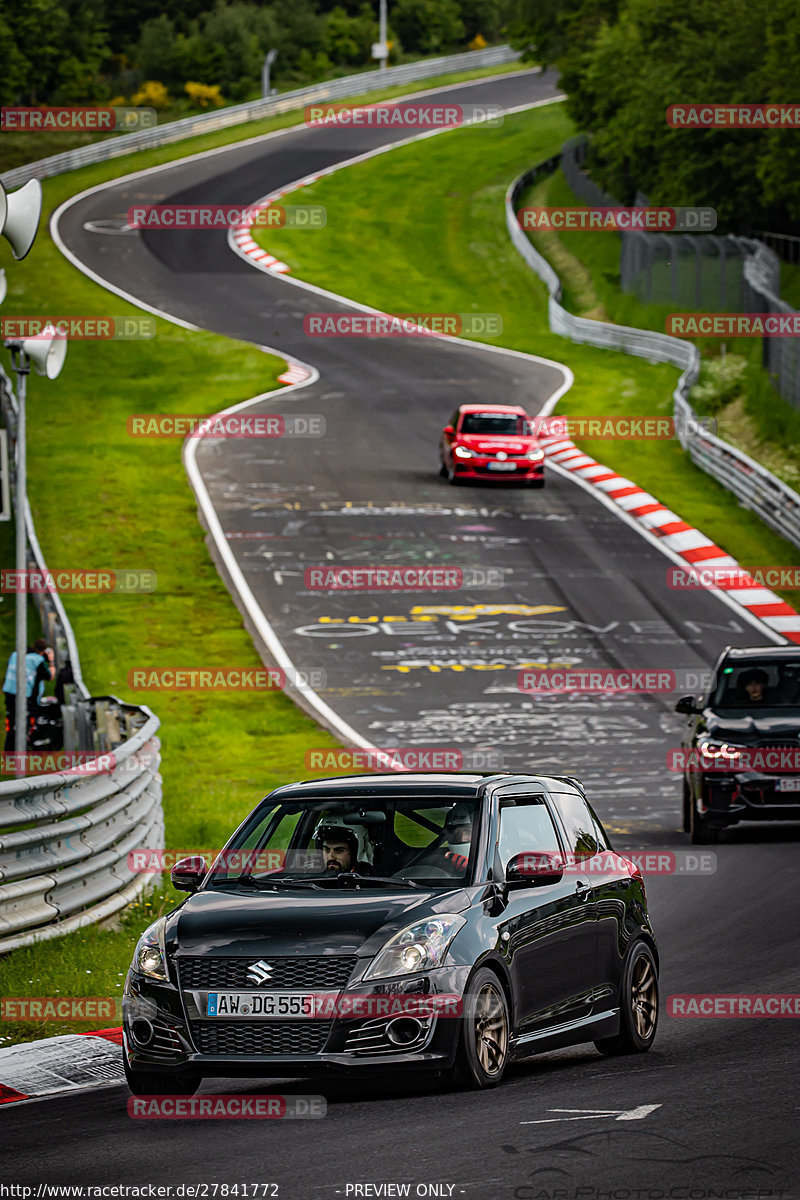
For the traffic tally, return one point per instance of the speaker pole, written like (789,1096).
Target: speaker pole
(21,367)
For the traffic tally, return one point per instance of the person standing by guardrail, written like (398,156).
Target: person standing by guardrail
(39,669)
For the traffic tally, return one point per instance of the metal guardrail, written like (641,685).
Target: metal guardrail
(334,89)
(65,837)
(755,487)
(55,624)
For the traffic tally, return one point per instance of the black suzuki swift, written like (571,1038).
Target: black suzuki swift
(444,923)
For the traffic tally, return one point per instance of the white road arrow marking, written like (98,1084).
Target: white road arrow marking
(592,1114)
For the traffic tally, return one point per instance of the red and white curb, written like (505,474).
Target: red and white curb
(296,373)
(242,236)
(674,534)
(60,1064)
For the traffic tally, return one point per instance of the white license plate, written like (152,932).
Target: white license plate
(787,785)
(260,1004)
(502,466)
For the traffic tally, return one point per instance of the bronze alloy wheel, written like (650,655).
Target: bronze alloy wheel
(644,997)
(490,1029)
(638,1001)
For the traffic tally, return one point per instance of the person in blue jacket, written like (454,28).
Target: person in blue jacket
(39,669)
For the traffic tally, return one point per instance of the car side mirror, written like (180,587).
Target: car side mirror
(688,705)
(534,867)
(448,431)
(188,873)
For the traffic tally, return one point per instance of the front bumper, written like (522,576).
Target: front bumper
(485,469)
(746,796)
(164,1032)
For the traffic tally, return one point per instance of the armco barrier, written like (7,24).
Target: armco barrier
(237,114)
(55,624)
(64,838)
(755,487)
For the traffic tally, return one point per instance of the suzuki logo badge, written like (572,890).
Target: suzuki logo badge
(259,972)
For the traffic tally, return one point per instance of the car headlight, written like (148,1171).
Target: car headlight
(712,748)
(463,452)
(150,955)
(418,947)
(535,455)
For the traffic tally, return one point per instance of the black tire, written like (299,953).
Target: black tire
(147,1083)
(701,833)
(638,1004)
(687,803)
(442,469)
(452,479)
(484,1034)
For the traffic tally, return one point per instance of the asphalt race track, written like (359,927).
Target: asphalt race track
(714,1105)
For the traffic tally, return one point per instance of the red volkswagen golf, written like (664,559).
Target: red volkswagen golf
(491,441)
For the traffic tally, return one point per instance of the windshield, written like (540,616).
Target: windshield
(496,423)
(756,685)
(325,844)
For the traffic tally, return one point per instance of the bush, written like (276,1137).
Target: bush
(151,94)
(721,381)
(203,94)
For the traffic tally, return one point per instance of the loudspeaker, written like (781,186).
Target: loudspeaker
(19,216)
(46,353)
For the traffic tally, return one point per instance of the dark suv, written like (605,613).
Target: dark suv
(742,742)
(443,923)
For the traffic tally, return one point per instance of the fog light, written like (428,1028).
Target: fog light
(403,1030)
(142,1031)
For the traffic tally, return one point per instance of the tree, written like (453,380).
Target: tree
(348,39)
(428,26)
(657,53)
(159,53)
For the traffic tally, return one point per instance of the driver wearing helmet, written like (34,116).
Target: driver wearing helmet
(453,853)
(345,846)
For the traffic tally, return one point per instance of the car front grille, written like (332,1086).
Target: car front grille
(329,971)
(225,1038)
